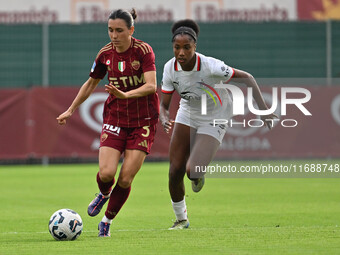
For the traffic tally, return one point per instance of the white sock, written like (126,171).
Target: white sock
(180,210)
(107,220)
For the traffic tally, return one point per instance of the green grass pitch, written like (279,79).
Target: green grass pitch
(229,216)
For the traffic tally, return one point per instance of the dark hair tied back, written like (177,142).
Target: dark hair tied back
(129,17)
(185,26)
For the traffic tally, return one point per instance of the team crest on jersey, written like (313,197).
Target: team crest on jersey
(135,64)
(121,66)
(104,136)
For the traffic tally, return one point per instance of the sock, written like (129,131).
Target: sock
(105,219)
(180,210)
(105,187)
(117,199)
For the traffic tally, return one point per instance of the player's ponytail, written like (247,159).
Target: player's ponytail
(129,17)
(133,13)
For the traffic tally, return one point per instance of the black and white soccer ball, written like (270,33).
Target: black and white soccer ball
(65,225)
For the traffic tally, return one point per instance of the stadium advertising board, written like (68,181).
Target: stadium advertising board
(29,127)
(318,9)
(78,11)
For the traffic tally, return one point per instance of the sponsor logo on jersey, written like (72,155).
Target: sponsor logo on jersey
(111,129)
(127,81)
(135,64)
(121,66)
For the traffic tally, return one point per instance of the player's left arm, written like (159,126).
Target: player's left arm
(247,79)
(148,88)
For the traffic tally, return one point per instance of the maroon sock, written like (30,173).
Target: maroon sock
(117,199)
(105,187)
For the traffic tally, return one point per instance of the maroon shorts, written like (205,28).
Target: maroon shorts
(120,138)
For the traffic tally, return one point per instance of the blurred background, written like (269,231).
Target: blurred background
(47,49)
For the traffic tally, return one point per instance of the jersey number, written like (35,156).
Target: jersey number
(147,131)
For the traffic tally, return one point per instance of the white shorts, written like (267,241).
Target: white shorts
(202,127)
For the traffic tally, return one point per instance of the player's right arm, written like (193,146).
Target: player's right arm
(164,112)
(84,92)
(167,91)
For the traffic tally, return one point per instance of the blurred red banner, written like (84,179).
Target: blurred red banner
(318,9)
(29,128)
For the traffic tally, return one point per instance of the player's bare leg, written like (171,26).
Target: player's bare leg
(202,153)
(179,154)
(133,161)
(108,163)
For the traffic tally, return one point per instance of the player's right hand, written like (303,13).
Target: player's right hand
(63,117)
(167,125)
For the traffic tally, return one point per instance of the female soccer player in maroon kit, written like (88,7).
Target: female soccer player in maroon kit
(130,112)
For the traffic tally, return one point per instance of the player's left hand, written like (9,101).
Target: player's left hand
(268,119)
(116,92)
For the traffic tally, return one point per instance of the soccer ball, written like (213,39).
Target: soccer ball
(65,224)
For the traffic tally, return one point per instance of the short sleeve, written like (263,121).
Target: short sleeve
(167,85)
(148,61)
(99,68)
(220,69)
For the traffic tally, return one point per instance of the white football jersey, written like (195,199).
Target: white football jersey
(192,85)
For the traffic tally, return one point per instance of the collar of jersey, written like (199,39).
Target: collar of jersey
(131,45)
(196,68)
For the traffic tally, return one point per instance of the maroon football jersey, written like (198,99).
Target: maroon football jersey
(126,72)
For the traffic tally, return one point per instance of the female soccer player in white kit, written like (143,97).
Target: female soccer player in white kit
(195,140)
